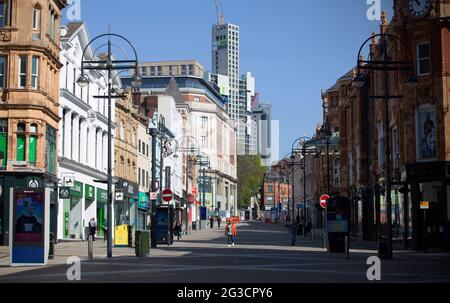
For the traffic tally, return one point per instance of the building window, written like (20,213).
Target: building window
(52,26)
(204,122)
(146,147)
(139,175)
(3,142)
(159,71)
(144,71)
(32,144)
(20,152)
(423,58)
(5,13)
(380,144)
(143,148)
(50,150)
(337,172)
(146,179)
(36,23)
(152,71)
(139,146)
(23,71)
(203,141)
(2,71)
(34,72)
(395,152)
(143,178)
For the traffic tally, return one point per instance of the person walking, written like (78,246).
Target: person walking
(211,222)
(293,232)
(219,220)
(92,228)
(177,230)
(229,234)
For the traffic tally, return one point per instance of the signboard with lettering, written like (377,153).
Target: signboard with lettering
(424,205)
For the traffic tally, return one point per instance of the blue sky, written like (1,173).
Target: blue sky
(295,48)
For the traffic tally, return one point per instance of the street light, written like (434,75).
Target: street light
(108,65)
(386,65)
(308,147)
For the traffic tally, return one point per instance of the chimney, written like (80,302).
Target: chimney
(384,22)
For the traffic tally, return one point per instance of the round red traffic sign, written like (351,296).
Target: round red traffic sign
(167,195)
(323,201)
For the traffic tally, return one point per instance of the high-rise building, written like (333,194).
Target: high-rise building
(225,62)
(262,125)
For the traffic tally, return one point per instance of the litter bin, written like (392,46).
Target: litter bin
(194,225)
(51,251)
(384,246)
(142,243)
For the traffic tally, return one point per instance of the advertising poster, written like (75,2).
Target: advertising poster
(426,133)
(29,214)
(121,235)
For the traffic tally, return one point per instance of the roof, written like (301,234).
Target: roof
(346,76)
(174,91)
(72,28)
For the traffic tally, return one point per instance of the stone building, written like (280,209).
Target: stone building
(29,105)
(418,131)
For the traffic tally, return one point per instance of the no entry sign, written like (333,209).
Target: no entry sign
(167,195)
(323,201)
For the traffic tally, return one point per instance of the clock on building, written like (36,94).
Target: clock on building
(418,8)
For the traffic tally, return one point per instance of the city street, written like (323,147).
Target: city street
(262,255)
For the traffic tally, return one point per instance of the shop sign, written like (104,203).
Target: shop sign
(89,192)
(102,195)
(64,192)
(424,205)
(77,190)
(143,200)
(34,183)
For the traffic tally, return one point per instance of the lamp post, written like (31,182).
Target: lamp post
(308,147)
(203,160)
(189,146)
(157,130)
(109,65)
(385,65)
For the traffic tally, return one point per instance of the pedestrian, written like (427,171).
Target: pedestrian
(177,230)
(219,220)
(293,232)
(92,228)
(105,230)
(228,233)
(211,222)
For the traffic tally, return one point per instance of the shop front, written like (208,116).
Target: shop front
(126,210)
(72,213)
(102,211)
(430,183)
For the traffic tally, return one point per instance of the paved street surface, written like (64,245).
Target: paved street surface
(262,254)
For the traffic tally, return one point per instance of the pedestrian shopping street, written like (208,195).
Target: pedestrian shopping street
(262,255)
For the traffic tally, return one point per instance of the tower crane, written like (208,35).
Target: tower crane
(219,11)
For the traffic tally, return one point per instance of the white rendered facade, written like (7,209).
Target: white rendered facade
(83,140)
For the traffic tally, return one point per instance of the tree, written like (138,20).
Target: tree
(250,178)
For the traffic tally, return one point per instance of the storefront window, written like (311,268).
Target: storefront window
(20,152)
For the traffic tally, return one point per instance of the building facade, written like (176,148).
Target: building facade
(83,138)
(29,106)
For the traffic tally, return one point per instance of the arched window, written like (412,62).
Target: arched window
(21,142)
(32,144)
(36,22)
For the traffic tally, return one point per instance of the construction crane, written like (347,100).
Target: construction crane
(220,17)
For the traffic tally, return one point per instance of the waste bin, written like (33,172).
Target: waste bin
(142,243)
(51,251)
(384,246)
(194,225)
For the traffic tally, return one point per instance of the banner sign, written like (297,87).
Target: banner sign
(29,236)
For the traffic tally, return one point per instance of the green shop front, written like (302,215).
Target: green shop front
(72,213)
(142,211)
(102,211)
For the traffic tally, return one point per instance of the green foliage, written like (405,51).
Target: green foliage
(250,178)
